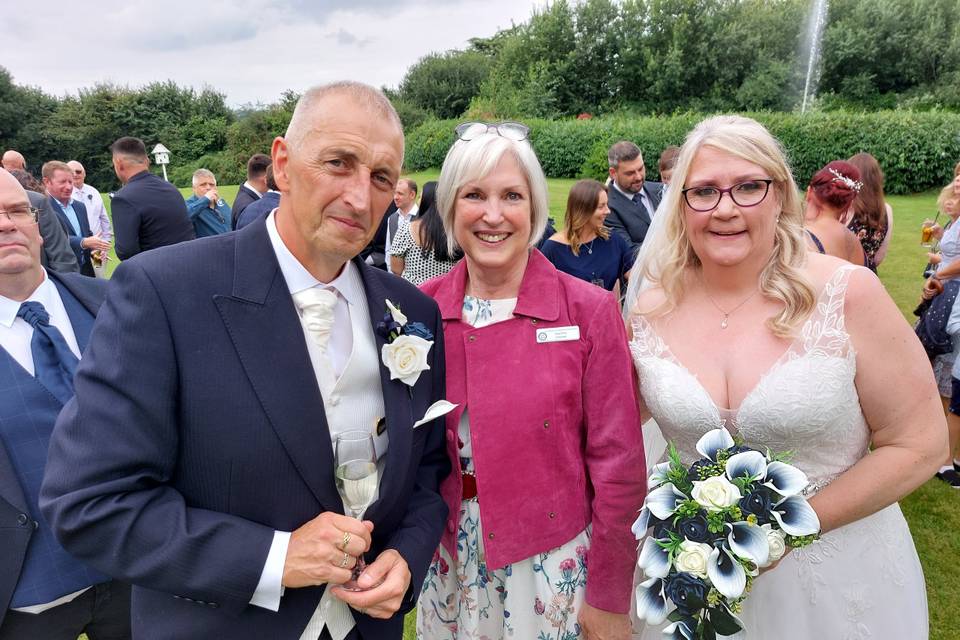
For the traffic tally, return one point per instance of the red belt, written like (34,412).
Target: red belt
(469,482)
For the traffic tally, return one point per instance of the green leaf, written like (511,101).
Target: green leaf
(724,623)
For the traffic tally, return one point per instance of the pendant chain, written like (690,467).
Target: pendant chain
(726,314)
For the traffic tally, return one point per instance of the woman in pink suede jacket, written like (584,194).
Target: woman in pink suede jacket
(547,453)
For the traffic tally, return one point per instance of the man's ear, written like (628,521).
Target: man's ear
(280,154)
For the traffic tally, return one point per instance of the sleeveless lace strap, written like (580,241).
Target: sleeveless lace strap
(824,331)
(646,343)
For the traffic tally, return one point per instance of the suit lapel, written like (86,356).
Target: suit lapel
(397,401)
(266,332)
(81,316)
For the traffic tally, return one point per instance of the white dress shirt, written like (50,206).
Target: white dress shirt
(403,219)
(96,212)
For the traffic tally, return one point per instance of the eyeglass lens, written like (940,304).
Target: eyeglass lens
(744,194)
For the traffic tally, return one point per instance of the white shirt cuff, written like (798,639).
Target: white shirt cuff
(270,588)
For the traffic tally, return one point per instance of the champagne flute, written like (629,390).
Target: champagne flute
(356,463)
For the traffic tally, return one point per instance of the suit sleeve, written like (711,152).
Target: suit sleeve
(126,228)
(616,224)
(56,247)
(113,455)
(418,536)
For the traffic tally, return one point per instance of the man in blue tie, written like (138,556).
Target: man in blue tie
(45,322)
(58,181)
(632,198)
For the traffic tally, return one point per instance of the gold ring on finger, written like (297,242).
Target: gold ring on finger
(346,559)
(345,541)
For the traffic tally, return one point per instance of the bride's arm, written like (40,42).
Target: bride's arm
(900,403)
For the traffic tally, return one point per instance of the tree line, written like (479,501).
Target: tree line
(595,57)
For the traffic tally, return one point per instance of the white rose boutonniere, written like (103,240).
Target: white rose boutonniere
(407,346)
(715,493)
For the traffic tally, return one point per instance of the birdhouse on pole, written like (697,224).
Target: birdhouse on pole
(161,155)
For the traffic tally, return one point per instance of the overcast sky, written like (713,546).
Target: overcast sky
(250,50)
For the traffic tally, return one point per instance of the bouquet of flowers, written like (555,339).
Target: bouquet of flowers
(713,526)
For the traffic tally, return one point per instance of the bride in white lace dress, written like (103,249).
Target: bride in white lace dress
(735,324)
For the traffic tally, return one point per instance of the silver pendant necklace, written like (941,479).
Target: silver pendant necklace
(726,314)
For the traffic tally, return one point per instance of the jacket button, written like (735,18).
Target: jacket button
(490,535)
(533,321)
(22,519)
(546,424)
(552,514)
(472,338)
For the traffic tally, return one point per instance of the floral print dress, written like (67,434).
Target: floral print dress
(538,598)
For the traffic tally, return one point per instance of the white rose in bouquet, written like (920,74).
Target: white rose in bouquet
(776,542)
(693,557)
(716,493)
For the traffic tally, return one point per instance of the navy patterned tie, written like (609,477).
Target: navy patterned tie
(53,362)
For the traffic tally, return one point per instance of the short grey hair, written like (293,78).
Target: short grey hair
(363,94)
(202,173)
(623,151)
(472,160)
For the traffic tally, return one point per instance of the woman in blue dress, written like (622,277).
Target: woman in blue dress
(585,248)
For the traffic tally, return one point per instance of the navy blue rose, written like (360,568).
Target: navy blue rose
(694,529)
(661,528)
(738,448)
(388,325)
(417,329)
(693,475)
(758,503)
(687,592)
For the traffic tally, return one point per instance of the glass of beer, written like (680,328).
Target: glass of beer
(926,233)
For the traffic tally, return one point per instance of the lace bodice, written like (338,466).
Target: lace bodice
(806,403)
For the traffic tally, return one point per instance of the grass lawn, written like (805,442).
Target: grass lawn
(933,511)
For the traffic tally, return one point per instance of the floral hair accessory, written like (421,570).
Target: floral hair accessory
(856,185)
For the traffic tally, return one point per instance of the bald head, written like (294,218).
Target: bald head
(13,160)
(10,187)
(313,105)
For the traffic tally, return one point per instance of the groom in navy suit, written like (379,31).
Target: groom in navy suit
(197,460)
(45,322)
(72,214)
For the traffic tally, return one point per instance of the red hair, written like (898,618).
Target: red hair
(837,184)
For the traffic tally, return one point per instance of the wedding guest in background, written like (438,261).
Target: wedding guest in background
(208,212)
(148,212)
(872,220)
(736,323)
(420,252)
(56,253)
(100,224)
(262,207)
(947,236)
(668,159)
(45,321)
(545,443)
(949,471)
(586,249)
(58,182)
(13,160)
(830,194)
(255,186)
(407,209)
(633,198)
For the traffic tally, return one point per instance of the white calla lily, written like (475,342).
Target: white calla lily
(658,474)
(654,559)
(785,478)
(641,524)
(679,630)
(651,602)
(726,574)
(749,464)
(796,517)
(663,500)
(749,541)
(713,441)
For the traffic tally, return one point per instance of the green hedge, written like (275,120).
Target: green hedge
(918,151)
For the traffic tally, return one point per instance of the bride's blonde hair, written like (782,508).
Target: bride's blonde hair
(670,258)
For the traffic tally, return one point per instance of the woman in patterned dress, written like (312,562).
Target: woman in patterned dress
(548,467)
(872,220)
(420,251)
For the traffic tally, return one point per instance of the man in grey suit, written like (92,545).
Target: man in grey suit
(632,198)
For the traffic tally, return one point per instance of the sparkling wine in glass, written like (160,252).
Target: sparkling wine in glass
(356,462)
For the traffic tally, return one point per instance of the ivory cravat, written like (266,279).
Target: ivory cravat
(316,306)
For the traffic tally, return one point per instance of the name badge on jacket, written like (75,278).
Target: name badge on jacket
(558,334)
